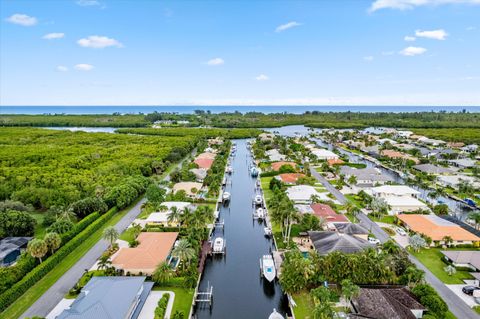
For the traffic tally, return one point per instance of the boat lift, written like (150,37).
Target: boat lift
(206,296)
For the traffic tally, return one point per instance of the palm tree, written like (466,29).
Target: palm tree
(66,214)
(352,180)
(349,291)
(476,218)
(389,247)
(184,252)
(379,207)
(136,229)
(163,273)
(104,263)
(413,276)
(53,241)
(352,210)
(321,300)
(110,234)
(447,240)
(37,248)
(417,242)
(450,270)
(174,216)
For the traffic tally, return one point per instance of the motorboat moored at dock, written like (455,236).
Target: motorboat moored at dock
(267,267)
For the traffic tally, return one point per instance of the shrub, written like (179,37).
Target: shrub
(162,307)
(16,224)
(88,205)
(61,227)
(17,290)
(430,299)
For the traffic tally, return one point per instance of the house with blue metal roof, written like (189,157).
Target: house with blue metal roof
(109,298)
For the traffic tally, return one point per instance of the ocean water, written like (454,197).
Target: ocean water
(296,109)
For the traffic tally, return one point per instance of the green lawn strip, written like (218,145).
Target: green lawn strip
(355,201)
(36,291)
(40,230)
(387,219)
(127,235)
(183,299)
(432,259)
(304,307)
(265,183)
(450,315)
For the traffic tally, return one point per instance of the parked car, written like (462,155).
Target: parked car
(469,289)
(373,240)
(401,232)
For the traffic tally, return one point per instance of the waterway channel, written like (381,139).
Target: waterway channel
(238,289)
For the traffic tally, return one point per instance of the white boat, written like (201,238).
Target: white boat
(260,213)
(267,231)
(226,196)
(268,267)
(258,183)
(254,172)
(258,200)
(275,315)
(218,245)
(229,170)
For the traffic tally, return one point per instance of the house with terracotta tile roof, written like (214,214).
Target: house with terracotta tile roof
(153,248)
(437,228)
(335,161)
(395,154)
(326,213)
(206,155)
(190,188)
(289,178)
(276,166)
(205,163)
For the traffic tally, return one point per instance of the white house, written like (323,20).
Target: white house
(405,134)
(400,198)
(462,163)
(323,154)
(301,193)
(275,156)
(162,217)
(454,180)
(470,148)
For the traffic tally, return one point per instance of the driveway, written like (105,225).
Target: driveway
(60,288)
(457,289)
(401,240)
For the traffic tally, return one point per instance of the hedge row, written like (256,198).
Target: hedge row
(162,306)
(17,290)
(78,227)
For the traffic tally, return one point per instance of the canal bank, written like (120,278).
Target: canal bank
(238,289)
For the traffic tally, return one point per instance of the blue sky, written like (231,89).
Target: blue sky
(263,52)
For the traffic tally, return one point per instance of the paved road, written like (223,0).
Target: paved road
(60,288)
(456,305)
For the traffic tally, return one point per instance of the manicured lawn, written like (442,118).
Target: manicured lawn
(265,183)
(28,298)
(387,219)
(304,307)
(127,235)
(432,259)
(183,299)
(355,201)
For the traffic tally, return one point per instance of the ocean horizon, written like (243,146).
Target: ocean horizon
(294,109)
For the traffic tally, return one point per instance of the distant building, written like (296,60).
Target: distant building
(462,163)
(11,248)
(366,177)
(266,137)
(109,297)
(432,169)
(275,156)
(323,154)
(395,154)
(454,180)
(289,178)
(330,216)
(471,148)
(205,163)
(190,188)
(301,193)
(463,258)
(200,174)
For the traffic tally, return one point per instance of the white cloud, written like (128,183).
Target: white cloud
(55,35)
(439,34)
(22,19)
(83,67)
(262,77)
(88,3)
(409,38)
(62,68)
(411,4)
(99,42)
(287,26)
(412,51)
(216,61)
(368,58)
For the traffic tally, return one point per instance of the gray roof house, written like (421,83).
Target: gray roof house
(386,303)
(109,298)
(11,248)
(464,258)
(432,169)
(366,176)
(200,173)
(463,163)
(326,242)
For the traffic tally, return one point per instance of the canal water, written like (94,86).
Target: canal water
(460,211)
(238,289)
